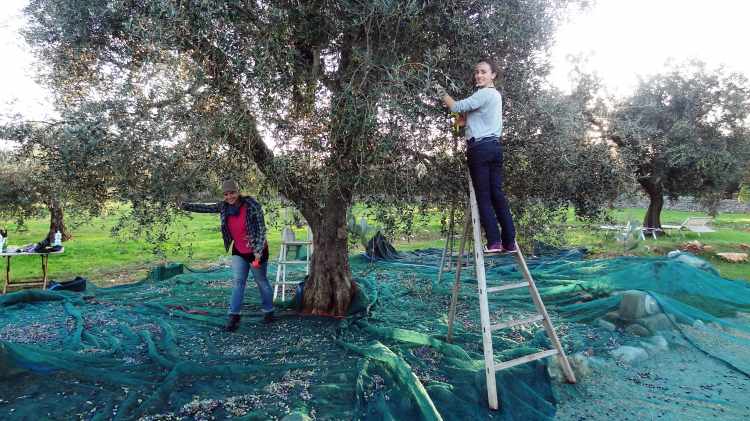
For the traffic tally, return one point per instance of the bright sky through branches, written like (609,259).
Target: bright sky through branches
(627,38)
(18,91)
(623,39)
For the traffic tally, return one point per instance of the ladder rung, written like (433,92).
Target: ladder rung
(498,253)
(296,243)
(508,286)
(286,262)
(526,359)
(511,323)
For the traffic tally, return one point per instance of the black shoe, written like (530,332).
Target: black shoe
(268,318)
(233,324)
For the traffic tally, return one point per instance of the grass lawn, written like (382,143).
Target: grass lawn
(733,229)
(93,253)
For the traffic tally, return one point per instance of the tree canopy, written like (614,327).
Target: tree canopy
(27,188)
(17,200)
(328,101)
(685,132)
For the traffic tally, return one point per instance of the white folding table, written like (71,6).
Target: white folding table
(11,253)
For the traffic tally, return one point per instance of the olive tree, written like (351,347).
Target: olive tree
(327,101)
(27,189)
(684,132)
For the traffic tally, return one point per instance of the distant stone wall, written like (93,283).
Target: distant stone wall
(686,203)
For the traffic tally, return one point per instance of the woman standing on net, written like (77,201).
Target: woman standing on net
(484,124)
(244,230)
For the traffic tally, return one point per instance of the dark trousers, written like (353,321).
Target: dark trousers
(485,160)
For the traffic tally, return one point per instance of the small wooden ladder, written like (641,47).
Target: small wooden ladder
(288,240)
(492,366)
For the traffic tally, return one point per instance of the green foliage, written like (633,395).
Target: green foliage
(540,223)
(360,231)
(319,102)
(551,158)
(685,132)
(18,198)
(339,86)
(744,194)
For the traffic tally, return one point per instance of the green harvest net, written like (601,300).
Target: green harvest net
(649,338)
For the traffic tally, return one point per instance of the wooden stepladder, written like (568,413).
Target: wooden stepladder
(492,366)
(288,241)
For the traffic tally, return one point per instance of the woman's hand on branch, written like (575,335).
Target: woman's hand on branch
(447,100)
(439,90)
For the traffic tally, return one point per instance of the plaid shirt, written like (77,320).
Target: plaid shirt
(254,222)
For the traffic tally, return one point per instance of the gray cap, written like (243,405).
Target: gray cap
(230,185)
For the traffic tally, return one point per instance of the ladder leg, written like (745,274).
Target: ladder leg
(7,275)
(452,238)
(307,258)
(276,284)
(45,258)
(484,308)
(279,268)
(310,248)
(445,249)
(283,274)
(469,210)
(564,363)
(457,281)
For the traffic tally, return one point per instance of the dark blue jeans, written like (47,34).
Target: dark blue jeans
(486,168)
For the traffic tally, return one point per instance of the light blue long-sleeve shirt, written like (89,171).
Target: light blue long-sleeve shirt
(485,113)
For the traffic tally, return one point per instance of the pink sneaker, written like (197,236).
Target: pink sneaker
(494,248)
(509,249)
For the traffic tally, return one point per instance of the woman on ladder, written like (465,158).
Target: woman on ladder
(484,152)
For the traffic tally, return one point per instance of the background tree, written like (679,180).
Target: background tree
(327,100)
(17,201)
(684,132)
(25,188)
(743,190)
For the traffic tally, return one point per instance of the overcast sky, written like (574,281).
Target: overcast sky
(18,91)
(627,38)
(621,38)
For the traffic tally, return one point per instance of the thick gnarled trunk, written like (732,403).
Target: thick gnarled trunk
(328,290)
(57,221)
(655,193)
